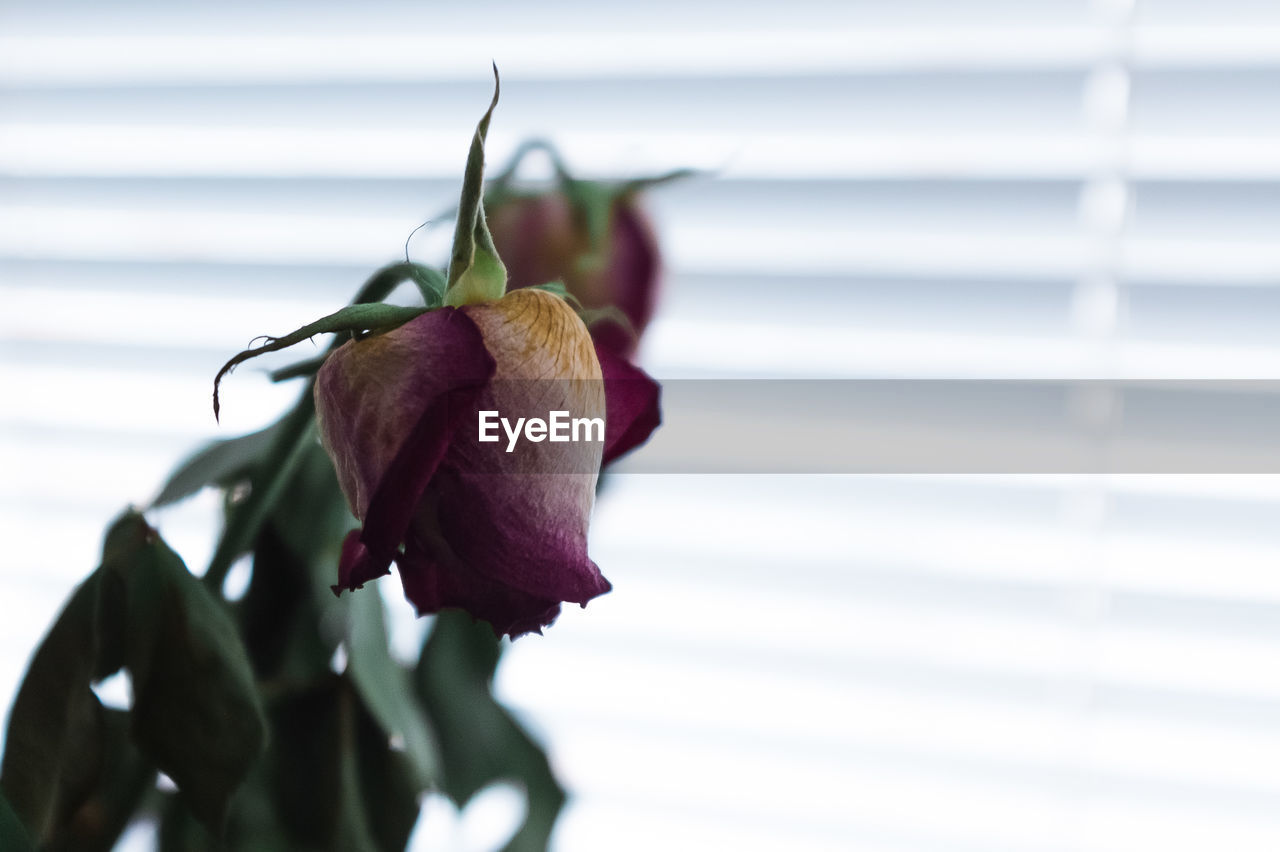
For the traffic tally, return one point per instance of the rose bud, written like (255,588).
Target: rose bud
(544,238)
(594,237)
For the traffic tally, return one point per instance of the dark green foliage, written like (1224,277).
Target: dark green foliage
(13,835)
(220,463)
(73,770)
(53,752)
(480,741)
(237,703)
(196,712)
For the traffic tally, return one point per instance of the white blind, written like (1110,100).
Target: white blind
(923,189)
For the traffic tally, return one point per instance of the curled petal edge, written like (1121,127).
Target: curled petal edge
(632,405)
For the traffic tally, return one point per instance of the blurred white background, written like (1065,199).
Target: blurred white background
(927,189)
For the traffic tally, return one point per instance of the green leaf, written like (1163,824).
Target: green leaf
(480,741)
(333,780)
(53,750)
(180,831)
(388,788)
(124,778)
(196,713)
(221,463)
(305,767)
(253,823)
(291,621)
(13,836)
(385,687)
(295,436)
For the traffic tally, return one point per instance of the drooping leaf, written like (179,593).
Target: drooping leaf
(220,463)
(53,747)
(296,432)
(305,531)
(196,713)
(388,786)
(335,782)
(312,523)
(304,771)
(12,833)
(279,620)
(253,823)
(386,689)
(180,831)
(480,741)
(125,775)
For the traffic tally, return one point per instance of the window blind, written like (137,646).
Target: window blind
(919,189)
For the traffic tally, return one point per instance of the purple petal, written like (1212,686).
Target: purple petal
(632,277)
(632,405)
(504,534)
(357,566)
(410,389)
(434,584)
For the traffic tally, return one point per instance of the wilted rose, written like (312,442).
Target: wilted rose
(550,236)
(501,535)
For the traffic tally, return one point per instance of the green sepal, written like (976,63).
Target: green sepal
(593,201)
(630,187)
(431,283)
(589,316)
(609,313)
(476,274)
(557,288)
(499,187)
(484,281)
(356,319)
